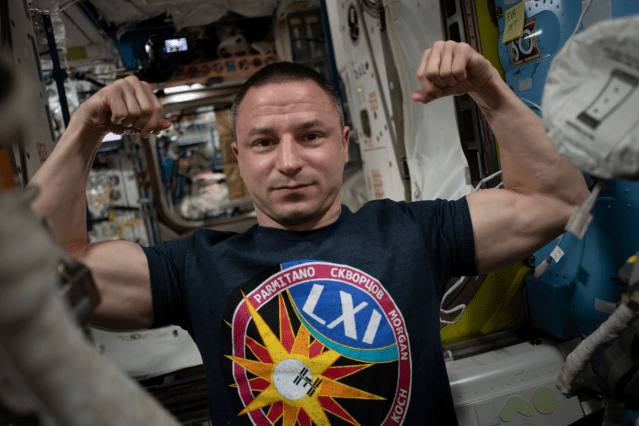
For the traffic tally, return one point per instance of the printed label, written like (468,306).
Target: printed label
(372,98)
(42,152)
(378,183)
(317,342)
(524,49)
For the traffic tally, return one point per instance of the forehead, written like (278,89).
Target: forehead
(280,100)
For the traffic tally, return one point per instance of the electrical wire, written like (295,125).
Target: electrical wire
(483,181)
(543,266)
(579,23)
(581,17)
(532,103)
(461,307)
(581,217)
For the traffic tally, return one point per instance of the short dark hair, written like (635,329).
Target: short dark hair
(284,72)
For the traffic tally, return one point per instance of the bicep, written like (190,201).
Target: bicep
(508,226)
(121,274)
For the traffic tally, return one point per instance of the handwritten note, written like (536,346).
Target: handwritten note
(514,26)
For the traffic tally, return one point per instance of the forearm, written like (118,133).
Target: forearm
(62,182)
(530,164)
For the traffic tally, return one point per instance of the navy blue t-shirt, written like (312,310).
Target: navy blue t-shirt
(337,325)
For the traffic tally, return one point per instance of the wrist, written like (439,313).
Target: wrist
(491,96)
(85,128)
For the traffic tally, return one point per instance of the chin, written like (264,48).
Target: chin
(298,217)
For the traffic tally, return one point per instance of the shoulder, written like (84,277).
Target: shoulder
(211,237)
(416,209)
(201,238)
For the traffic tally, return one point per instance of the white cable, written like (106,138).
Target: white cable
(501,185)
(617,323)
(532,103)
(456,308)
(453,288)
(481,182)
(461,308)
(581,217)
(581,17)
(541,268)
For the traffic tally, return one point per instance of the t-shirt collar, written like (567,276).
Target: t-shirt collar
(313,234)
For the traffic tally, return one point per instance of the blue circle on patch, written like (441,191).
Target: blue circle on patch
(345,318)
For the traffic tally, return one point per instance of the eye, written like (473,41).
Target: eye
(263,143)
(312,136)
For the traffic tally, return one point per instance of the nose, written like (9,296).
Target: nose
(289,156)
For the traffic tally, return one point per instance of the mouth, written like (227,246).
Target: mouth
(291,187)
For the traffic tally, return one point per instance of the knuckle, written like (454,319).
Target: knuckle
(132,79)
(459,72)
(134,111)
(430,74)
(438,44)
(115,116)
(147,112)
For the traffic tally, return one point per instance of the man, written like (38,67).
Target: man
(317,314)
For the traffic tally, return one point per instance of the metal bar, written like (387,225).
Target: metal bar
(329,50)
(57,71)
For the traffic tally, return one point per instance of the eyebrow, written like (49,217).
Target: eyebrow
(304,126)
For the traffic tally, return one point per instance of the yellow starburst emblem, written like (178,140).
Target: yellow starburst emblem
(296,378)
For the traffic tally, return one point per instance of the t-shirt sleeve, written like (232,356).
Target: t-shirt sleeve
(448,231)
(166,262)
(457,230)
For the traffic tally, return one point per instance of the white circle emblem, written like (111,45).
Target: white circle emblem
(292,379)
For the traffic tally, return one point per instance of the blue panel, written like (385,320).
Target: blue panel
(612,238)
(550,23)
(552,299)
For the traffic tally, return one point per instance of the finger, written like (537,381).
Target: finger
(418,96)
(421,69)
(163,124)
(155,123)
(114,104)
(460,63)
(427,86)
(421,96)
(432,71)
(445,68)
(149,112)
(131,102)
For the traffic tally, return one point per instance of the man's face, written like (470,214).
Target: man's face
(291,151)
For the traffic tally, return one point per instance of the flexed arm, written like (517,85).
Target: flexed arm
(119,268)
(541,189)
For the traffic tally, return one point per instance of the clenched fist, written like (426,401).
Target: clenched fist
(126,106)
(451,68)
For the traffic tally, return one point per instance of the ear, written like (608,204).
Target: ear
(345,138)
(234,147)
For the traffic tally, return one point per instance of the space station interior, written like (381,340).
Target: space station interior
(551,340)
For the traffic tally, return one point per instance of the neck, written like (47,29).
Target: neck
(304,224)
